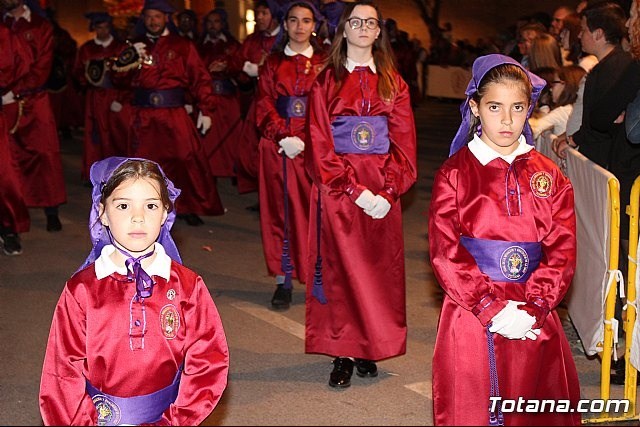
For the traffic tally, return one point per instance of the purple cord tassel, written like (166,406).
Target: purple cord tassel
(285,264)
(318,291)
(144,282)
(495,417)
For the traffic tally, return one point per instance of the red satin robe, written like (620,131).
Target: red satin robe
(283,75)
(468,199)
(35,146)
(362,258)
(255,49)
(90,339)
(221,142)
(105,131)
(168,135)
(14,64)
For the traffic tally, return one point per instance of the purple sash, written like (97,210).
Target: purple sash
(360,135)
(291,106)
(223,87)
(148,408)
(159,98)
(504,261)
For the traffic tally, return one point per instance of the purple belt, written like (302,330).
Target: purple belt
(223,87)
(360,135)
(148,408)
(291,106)
(504,261)
(159,98)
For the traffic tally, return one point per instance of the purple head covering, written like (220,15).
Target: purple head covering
(161,5)
(96,18)
(101,172)
(481,66)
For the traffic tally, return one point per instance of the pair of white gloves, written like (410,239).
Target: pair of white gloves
(250,68)
(376,206)
(513,323)
(8,98)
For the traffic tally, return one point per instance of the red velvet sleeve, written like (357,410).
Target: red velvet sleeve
(200,82)
(271,125)
(16,63)
(42,49)
(454,267)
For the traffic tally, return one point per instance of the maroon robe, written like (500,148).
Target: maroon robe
(105,131)
(90,338)
(35,146)
(169,136)
(14,64)
(283,75)
(362,258)
(468,199)
(221,142)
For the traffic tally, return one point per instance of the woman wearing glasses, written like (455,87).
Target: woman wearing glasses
(361,156)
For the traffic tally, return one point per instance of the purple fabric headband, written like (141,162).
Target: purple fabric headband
(101,172)
(481,67)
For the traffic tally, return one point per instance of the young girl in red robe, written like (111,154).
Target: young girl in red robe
(135,338)
(502,241)
(361,156)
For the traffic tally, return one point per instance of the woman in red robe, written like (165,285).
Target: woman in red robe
(285,80)
(503,247)
(362,158)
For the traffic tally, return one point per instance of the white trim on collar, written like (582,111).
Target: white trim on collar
(161,265)
(351,65)
(486,154)
(104,43)
(164,33)
(209,39)
(275,31)
(308,52)
(26,14)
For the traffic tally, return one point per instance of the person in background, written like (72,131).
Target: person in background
(361,157)
(187,23)
(502,243)
(557,20)
(136,338)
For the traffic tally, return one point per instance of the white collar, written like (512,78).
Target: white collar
(351,64)
(164,33)
(274,32)
(308,52)
(26,14)
(104,43)
(161,265)
(485,154)
(210,39)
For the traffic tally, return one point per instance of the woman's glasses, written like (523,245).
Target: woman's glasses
(370,23)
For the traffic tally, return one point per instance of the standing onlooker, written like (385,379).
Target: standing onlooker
(544,52)
(527,34)
(281,107)
(107,110)
(160,127)
(557,21)
(361,158)
(502,242)
(35,147)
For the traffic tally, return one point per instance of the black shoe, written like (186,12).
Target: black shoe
(11,244)
(191,219)
(254,208)
(53,223)
(342,371)
(366,368)
(618,372)
(281,298)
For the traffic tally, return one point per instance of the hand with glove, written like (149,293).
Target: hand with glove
(203,123)
(250,68)
(291,145)
(115,106)
(513,323)
(8,98)
(188,108)
(380,207)
(366,200)
(141,48)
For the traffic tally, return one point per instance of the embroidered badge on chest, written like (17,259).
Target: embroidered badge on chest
(514,262)
(541,184)
(171,55)
(171,294)
(169,321)
(362,136)
(108,412)
(28,35)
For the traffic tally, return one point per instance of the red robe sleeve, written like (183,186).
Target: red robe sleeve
(272,126)
(16,62)
(199,82)
(40,38)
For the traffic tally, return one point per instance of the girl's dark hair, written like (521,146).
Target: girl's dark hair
(382,53)
(500,74)
(284,38)
(571,76)
(136,169)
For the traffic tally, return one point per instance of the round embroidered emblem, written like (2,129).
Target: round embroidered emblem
(28,35)
(541,183)
(169,321)
(171,55)
(155,99)
(514,262)
(298,108)
(362,136)
(108,412)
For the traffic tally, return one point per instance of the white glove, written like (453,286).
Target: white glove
(115,106)
(141,48)
(203,123)
(513,323)
(8,98)
(380,208)
(366,200)
(189,108)
(291,145)
(250,68)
